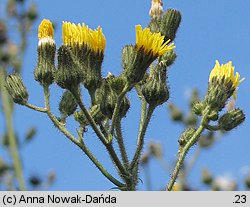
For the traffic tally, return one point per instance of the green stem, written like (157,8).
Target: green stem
(36,108)
(92,96)
(7,108)
(147,177)
(100,135)
(185,149)
(121,144)
(76,94)
(116,110)
(140,139)
(80,144)
(193,161)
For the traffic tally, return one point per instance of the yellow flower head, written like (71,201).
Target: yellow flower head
(74,34)
(151,42)
(82,34)
(226,72)
(46,30)
(97,41)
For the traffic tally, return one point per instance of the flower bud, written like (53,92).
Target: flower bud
(231,119)
(186,136)
(107,96)
(206,141)
(156,149)
(68,75)
(32,12)
(198,108)
(94,111)
(219,91)
(92,73)
(168,58)
(44,72)
(16,89)
(191,119)
(155,89)
(68,104)
(145,158)
(207,177)
(170,23)
(175,113)
(214,115)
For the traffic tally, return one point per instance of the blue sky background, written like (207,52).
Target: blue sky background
(210,30)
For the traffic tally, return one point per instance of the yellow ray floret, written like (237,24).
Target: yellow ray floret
(226,71)
(152,42)
(45,29)
(82,34)
(97,40)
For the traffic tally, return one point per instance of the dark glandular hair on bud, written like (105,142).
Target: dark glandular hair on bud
(107,98)
(231,119)
(68,75)
(170,23)
(155,89)
(219,91)
(45,69)
(68,104)
(16,88)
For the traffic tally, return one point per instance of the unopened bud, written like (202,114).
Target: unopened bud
(106,96)
(170,23)
(168,58)
(68,74)
(156,149)
(145,158)
(191,119)
(186,136)
(94,111)
(213,115)
(45,69)
(155,89)
(198,108)
(92,73)
(32,12)
(219,91)
(231,119)
(16,88)
(207,177)
(206,141)
(68,104)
